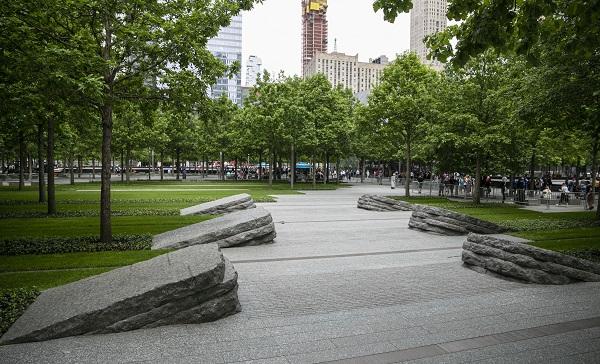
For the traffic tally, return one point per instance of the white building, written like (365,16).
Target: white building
(253,70)
(426,17)
(346,70)
(227,46)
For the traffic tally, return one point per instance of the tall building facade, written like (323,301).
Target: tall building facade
(347,71)
(253,70)
(227,46)
(314,30)
(426,17)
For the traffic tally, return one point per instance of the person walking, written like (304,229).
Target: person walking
(393,180)
(420,180)
(504,182)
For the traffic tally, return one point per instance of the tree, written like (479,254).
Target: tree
(402,106)
(474,121)
(120,50)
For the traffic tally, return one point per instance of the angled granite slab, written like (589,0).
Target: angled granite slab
(445,222)
(512,259)
(382,203)
(242,228)
(221,206)
(191,285)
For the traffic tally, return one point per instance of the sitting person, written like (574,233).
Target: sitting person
(547,193)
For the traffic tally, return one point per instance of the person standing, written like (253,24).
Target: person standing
(393,180)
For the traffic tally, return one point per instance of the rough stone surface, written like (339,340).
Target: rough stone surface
(525,262)
(191,285)
(221,206)
(446,222)
(382,203)
(246,227)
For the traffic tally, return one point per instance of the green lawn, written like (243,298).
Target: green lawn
(46,279)
(153,207)
(569,232)
(45,271)
(138,198)
(87,226)
(22,263)
(511,216)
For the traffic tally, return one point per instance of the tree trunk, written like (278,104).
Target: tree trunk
(260,166)
(337,170)
(41,180)
(293,167)
(71,172)
(21,161)
(235,172)
(531,169)
(105,208)
(407,176)
(122,165)
(222,161)
(271,163)
(79,166)
(128,164)
(363,170)
(162,166)
(595,147)
(30,167)
(94,169)
(477,184)
(50,167)
(326,179)
(177,162)
(314,174)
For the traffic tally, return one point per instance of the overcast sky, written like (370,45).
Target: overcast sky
(272,31)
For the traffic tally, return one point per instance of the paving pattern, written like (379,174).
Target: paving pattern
(349,285)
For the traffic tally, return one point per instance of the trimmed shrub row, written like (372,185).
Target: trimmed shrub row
(90,213)
(588,254)
(115,201)
(13,303)
(55,245)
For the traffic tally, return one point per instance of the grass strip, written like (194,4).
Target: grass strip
(90,226)
(23,263)
(46,279)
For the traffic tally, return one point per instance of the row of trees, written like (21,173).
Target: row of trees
(97,58)
(531,68)
(85,79)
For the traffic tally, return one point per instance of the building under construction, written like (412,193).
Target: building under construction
(314,30)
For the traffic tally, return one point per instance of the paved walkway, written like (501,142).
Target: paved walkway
(354,286)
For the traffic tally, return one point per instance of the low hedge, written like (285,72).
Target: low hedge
(55,245)
(589,254)
(13,303)
(90,213)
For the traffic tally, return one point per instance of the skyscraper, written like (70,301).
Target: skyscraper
(253,70)
(314,30)
(426,17)
(227,46)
